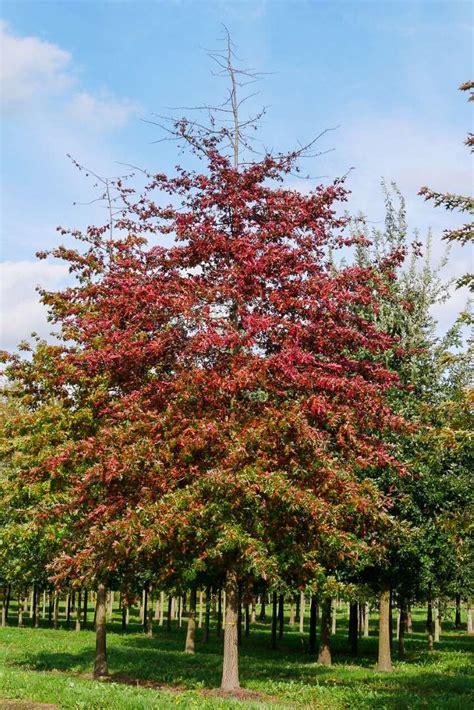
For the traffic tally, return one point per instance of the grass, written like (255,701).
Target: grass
(49,666)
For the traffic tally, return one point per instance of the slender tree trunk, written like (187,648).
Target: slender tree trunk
(247,620)
(230,669)
(429,624)
(281,615)
(457,620)
(20,610)
(100,666)
(84,609)
(219,613)
(390,618)
(470,629)
(56,610)
(274,619)
(366,620)
(162,608)
(361,618)
(239,621)
(191,630)
(401,629)
(180,611)
(354,627)
(334,617)
(409,620)
(78,611)
(253,616)
(437,621)
(324,656)
(149,613)
(301,619)
(35,607)
(68,609)
(124,616)
(4,616)
(313,622)
(385,659)
(43,605)
(207,616)
(200,609)
(145,608)
(170,610)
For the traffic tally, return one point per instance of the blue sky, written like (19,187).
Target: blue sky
(79,76)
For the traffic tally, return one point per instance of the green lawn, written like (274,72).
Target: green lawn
(49,666)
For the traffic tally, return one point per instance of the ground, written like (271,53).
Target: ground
(46,668)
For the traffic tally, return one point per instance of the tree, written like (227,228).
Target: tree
(463,203)
(234,383)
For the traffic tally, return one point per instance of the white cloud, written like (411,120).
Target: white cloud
(102,112)
(21,312)
(33,71)
(31,67)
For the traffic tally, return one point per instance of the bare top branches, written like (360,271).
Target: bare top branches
(224,124)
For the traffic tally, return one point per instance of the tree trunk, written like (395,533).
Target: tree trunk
(384,660)
(437,621)
(324,656)
(313,621)
(149,612)
(35,607)
(219,613)
(56,611)
(263,611)
(4,615)
(366,619)
(84,609)
(353,627)
(302,603)
(253,615)
(457,621)
(145,608)
(247,620)
(124,616)
(20,610)
(429,625)
(200,609)
(207,616)
(334,617)
(401,629)
(68,609)
(78,611)
(274,619)
(470,629)
(162,608)
(409,620)
(230,669)
(100,665)
(390,620)
(191,630)
(281,616)
(170,610)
